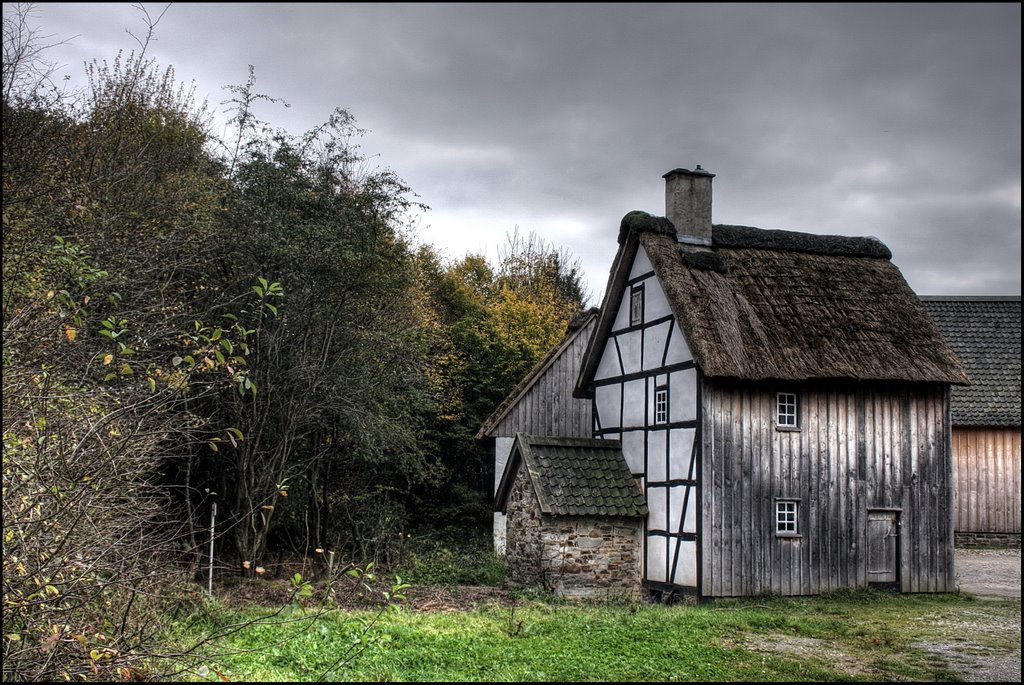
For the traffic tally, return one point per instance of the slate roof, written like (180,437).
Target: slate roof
(574,477)
(781,305)
(984,331)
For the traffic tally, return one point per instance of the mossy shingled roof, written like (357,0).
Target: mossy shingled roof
(574,477)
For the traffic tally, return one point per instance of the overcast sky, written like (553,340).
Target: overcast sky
(897,121)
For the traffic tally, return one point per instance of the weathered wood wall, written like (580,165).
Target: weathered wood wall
(987,462)
(860,447)
(548,407)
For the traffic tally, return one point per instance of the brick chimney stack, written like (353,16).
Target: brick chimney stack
(688,204)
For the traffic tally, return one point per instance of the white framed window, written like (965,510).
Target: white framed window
(661,404)
(786,517)
(636,305)
(786,414)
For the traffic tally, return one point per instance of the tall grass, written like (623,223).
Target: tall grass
(868,636)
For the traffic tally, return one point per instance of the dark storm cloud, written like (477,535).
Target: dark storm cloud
(899,121)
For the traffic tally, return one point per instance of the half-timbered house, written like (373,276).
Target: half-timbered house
(784,401)
(984,331)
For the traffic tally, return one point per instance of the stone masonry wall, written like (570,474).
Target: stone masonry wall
(987,539)
(576,556)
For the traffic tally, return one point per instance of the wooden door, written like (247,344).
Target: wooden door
(883,547)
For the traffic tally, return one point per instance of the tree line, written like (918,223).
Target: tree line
(249,321)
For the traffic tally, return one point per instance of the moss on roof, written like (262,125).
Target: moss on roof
(574,477)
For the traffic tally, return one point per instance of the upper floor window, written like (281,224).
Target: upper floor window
(786,415)
(636,305)
(661,405)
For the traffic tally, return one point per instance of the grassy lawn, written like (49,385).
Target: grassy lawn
(855,636)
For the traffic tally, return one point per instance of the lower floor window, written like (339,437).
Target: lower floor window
(785,517)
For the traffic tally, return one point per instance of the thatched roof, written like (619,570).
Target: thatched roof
(574,477)
(984,331)
(782,305)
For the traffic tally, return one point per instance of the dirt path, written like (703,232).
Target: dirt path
(986,573)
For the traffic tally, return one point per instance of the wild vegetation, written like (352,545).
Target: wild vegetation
(248,323)
(859,636)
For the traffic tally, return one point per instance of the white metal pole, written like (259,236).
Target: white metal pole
(213,528)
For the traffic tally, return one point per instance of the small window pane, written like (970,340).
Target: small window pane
(661,405)
(785,517)
(787,410)
(636,307)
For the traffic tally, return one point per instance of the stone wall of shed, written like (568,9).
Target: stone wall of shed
(574,556)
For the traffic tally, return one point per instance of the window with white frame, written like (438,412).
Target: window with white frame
(661,404)
(785,516)
(636,305)
(786,415)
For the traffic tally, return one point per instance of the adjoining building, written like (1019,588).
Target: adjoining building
(984,331)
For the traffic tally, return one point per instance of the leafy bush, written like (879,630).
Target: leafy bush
(450,562)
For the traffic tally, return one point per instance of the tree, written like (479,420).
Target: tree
(498,322)
(337,359)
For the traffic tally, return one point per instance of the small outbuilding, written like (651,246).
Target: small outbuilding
(575,517)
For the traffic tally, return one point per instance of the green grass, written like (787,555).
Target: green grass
(860,636)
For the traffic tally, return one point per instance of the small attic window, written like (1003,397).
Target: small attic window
(787,411)
(636,305)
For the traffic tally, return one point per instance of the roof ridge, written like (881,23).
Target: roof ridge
(970,298)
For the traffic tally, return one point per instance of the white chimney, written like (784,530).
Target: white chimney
(688,204)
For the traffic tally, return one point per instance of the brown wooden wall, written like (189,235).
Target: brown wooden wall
(987,462)
(860,447)
(548,407)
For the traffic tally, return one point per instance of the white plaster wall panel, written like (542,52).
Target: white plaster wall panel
(633,404)
(678,349)
(676,508)
(633,450)
(622,316)
(657,503)
(686,567)
(500,536)
(681,446)
(657,468)
(682,395)
(654,345)
(609,366)
(656,559)
(690,524)
(629,350)
(502,448)
(641,264)
(656,304)
(608,400)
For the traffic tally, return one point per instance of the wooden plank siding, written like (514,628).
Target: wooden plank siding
(988,470)
(548,407)
(860,447)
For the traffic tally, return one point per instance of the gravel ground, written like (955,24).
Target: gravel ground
(986,573)
(989,572)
